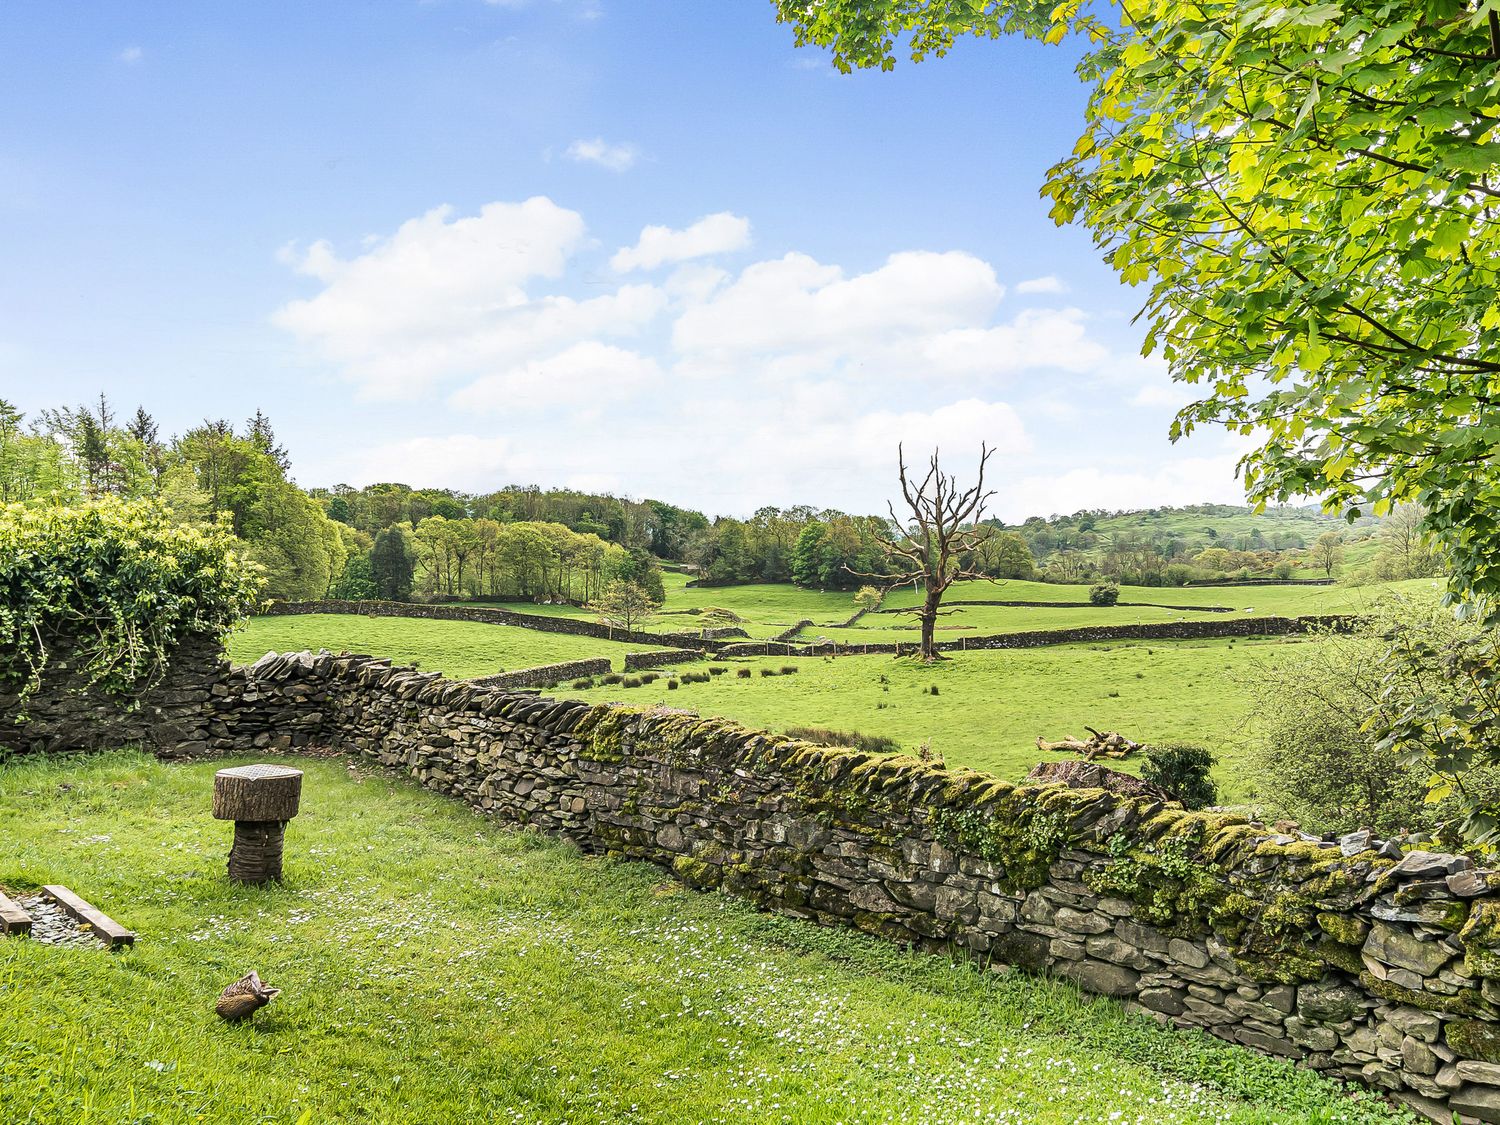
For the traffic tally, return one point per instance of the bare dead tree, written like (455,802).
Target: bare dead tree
(941,531)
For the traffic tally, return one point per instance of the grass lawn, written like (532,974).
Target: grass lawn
(439,968)
(992,705)
(458,648)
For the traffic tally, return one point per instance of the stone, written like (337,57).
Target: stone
(1283,998)
(1392,945)
(1186,953)
(1482,1102)
(1474,882)
(1486,1074)
(1101,977)
(1081,922)
(1270,1044)
(1415,1022)
(1416,1056)
(1168,1000)
(1355,842)
(1329,1003)
(1427,865)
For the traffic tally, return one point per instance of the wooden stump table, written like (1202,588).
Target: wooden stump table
(260,800)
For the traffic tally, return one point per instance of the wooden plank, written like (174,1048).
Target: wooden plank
(110,931)
(13,920)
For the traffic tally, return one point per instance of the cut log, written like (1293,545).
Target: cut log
(1099,744)
(257,793)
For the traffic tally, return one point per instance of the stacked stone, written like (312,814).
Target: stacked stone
(68,714)
(1350,956)
(638,661)
(545,675)
(574,626)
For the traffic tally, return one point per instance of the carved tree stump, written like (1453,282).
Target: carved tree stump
(260,800)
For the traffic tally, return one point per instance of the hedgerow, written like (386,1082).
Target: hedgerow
(121,582)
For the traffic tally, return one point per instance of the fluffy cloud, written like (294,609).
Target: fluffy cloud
(615,157)
(447,297)
(582,375)
(796,306)
(712,234)
(1048,284)
(130,56)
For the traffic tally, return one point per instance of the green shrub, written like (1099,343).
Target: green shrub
(933,690)
(788,669)
(650,677)
(672,685)
(612,678)
(582,685)
(1184,770)
(743,673)
(717,670)
(1105,593)
(768,671)
(852,739)
(631,681)
(122,582)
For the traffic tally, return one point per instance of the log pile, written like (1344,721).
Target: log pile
(1099,744)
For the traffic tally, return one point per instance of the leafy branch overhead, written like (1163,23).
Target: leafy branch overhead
(1309,193)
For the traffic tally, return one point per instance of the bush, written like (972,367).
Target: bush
(650,677)
(768,671)
(852,739)
(1185,771)
(612,678)
(933,690)
(788,669)
(717,670)
(123,582)
(1105,593)
(1320,760)
(672,685)
(743,673)
(582,685)
(631,681)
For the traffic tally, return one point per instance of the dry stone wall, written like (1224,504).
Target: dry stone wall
(545,675)
(657,658)
(1346,955)
(574,626)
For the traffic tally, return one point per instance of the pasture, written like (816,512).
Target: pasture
(992,705)
(437,966)
(461,649)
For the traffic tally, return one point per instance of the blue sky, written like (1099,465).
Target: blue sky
(647,246)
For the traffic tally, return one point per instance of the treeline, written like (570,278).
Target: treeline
(210,471)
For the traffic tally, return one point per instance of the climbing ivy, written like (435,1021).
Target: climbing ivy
(117,584)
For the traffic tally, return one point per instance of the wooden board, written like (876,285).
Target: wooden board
(13,920)
(109,931)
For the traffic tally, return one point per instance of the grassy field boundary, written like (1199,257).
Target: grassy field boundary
(1048,605)
(571,625)
(1165,631)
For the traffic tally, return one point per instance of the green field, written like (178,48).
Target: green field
(460,649)
(991,706)
(437,967)
(983,620)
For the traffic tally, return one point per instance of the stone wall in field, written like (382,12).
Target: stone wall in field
(657,658)
(66,713)
(574,626)
(1040,638)
(545,675)
(1345,955)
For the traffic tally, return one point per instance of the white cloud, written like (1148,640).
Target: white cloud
(1036,338)
(1126,484)
(447,298)
(713,234)
(1049,284)
(130,56)
(615,157)
(796,307)
(578,377)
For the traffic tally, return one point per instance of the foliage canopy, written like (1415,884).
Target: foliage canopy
(121,581)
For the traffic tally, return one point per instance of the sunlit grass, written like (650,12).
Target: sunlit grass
(438,967)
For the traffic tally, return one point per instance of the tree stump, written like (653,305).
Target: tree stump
(260,800)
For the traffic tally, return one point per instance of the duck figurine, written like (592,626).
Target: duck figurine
(244,998)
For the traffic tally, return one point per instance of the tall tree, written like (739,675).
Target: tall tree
(938,534)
